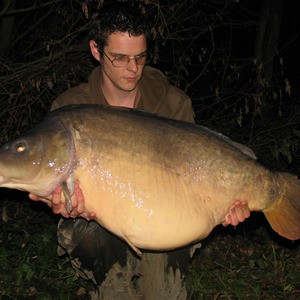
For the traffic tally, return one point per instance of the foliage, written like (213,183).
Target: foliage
(30,267)
(42,60)
(245,263)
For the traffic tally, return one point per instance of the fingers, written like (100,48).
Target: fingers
(238,212)
(245,210)
(227,220)
(56,196)
(59,207)
(56,204)
(79,205)
(77,200)
(92,215)
(88,216)
(35,197)
(38,198)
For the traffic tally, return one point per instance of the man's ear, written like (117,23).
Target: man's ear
(94,50)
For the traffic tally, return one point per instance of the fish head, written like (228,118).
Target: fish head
(39,160)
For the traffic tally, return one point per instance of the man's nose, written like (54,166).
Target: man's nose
(132,65)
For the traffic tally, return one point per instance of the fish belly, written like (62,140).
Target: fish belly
(151,208)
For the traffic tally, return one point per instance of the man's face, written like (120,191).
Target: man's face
(127,77)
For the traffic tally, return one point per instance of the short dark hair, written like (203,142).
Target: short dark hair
(117,16)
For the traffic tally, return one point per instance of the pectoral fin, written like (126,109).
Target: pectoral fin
(138,252)
(68,189)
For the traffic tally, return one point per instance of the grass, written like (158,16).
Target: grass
(249,262)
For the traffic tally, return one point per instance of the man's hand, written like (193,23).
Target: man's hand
(59,207)
(238,212)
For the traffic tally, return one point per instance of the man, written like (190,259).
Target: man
(118,41)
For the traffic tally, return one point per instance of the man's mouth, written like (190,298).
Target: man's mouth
(130,78)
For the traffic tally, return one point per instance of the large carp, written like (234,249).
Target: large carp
(156,183)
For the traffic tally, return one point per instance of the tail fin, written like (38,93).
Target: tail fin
(284,218)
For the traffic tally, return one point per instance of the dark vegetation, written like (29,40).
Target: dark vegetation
(239,62)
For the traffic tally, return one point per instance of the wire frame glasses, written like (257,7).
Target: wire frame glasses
(120,61)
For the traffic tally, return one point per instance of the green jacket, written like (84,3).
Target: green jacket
(158,96)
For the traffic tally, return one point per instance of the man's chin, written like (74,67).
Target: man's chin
(129,88)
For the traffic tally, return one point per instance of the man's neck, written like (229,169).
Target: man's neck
(117,97)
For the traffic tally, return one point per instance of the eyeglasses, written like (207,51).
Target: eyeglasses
(123,60)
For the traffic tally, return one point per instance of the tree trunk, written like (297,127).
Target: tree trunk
(6,25)
(267,40)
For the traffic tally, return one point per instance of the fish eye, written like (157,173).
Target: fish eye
(20,147)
